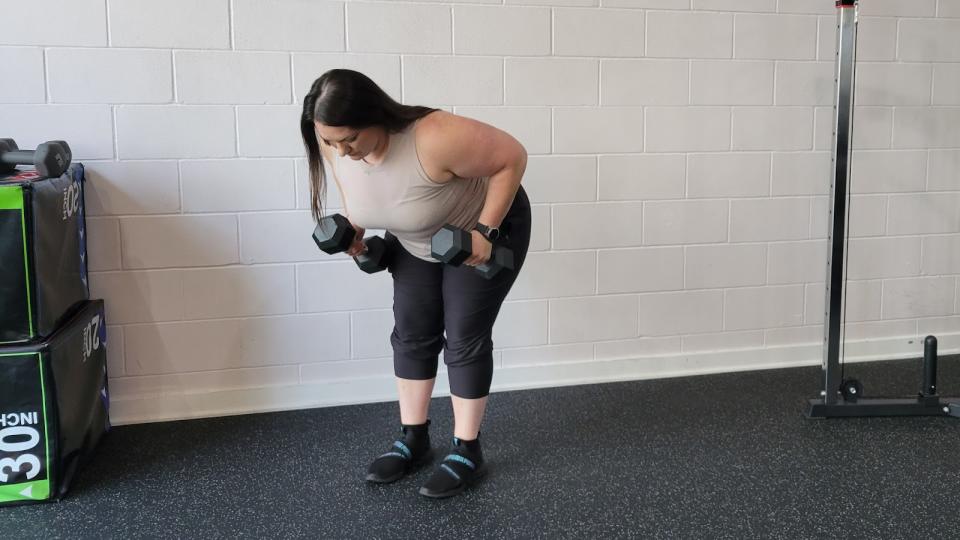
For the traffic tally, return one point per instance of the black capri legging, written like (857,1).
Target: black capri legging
(430,298)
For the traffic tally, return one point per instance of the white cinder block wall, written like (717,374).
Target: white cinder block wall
(679,173)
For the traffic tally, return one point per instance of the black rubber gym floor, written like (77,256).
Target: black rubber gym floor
(715,456)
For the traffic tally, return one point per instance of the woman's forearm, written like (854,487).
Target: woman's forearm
(501,189)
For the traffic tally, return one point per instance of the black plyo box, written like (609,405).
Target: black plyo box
(54,408)
(43,253)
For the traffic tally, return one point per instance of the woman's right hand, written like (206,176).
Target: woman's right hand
(357,247)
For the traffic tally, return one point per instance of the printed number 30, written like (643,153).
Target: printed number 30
(26,459)
(14,466)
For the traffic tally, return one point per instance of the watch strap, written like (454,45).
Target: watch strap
(485,230)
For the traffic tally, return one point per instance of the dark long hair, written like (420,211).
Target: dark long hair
(343,97)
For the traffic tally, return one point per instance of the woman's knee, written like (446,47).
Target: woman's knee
(458,351)
(470,378)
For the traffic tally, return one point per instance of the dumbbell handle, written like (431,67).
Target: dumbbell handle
(500,258)
(499,253)
(453,246)
(334,231)
(17,157)
(364,242)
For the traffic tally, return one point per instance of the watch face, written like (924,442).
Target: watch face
(490,233)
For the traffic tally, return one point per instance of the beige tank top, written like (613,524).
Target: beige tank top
(397,195)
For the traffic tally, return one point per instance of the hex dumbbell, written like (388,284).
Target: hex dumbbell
(334,234)
(51,158)
(453,246)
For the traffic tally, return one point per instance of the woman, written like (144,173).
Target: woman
(411,170)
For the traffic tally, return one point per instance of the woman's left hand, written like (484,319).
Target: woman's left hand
(482,248)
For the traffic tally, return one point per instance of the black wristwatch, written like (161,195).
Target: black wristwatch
(490,233)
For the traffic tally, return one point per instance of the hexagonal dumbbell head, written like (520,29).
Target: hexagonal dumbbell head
(334,234)
(67,152)
(374,259)
(451,245)
(65,147)
(51,159)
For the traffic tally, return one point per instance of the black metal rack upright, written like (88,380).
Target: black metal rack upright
(842,397)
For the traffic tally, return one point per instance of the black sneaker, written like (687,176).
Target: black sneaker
(460,469)
(405,456)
